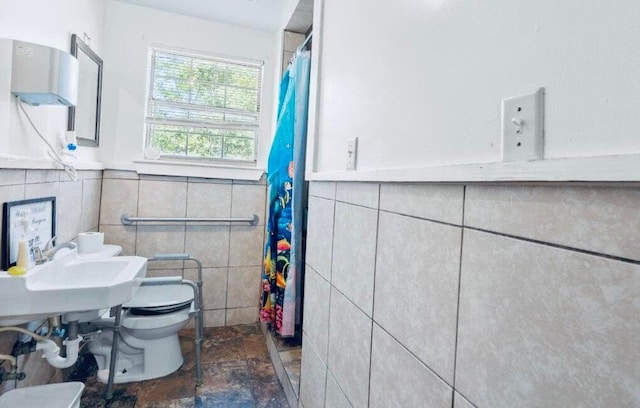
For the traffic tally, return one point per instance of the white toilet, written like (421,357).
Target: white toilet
(148,346)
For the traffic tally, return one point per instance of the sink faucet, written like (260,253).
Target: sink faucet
(48,252)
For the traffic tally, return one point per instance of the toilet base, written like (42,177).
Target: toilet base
(137,359)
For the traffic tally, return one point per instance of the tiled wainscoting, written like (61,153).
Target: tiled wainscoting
(231,255)
(436,295)
(78,208)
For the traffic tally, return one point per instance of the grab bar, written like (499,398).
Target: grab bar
(126,220)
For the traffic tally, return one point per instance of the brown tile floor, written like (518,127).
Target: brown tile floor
(237,374)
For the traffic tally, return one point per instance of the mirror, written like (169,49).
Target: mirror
(85,117)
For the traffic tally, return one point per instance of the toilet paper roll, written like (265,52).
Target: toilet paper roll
(90,242)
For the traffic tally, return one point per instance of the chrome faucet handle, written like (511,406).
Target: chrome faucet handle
(49,245)
(50,253)
(38,256)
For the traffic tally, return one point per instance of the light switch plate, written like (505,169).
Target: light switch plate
(352,153)
(523,126)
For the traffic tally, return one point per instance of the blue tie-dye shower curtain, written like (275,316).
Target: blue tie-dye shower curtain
(283,264)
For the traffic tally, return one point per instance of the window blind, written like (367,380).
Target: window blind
(203,107)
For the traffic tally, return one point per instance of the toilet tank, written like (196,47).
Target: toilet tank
(42,75)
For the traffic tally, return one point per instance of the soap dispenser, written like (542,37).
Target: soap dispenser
(23,263)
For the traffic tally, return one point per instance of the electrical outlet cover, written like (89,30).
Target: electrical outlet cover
(523,126)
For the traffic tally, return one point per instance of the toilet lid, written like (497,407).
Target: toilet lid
(160,297)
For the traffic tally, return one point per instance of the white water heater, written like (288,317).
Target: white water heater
(42,75)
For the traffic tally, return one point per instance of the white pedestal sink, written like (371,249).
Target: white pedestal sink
(71,283)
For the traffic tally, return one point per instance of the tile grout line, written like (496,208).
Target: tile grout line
(100,201)
(404,347)
(340,387)
(455,343)
(331,287)
(184,239)
(519,238)
(353,303)
(557,246)
(83,209)
(135,244)
(373,294)
(226,292)
(467,401)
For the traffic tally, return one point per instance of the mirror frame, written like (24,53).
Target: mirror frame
(77,45)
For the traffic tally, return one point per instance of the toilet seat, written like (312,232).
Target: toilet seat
(149,322)
(155,311)
(155,307)
(159,297)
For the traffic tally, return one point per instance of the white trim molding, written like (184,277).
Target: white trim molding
(197,169)
(616,168)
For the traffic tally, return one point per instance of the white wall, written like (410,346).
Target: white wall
(420,82)
(130,31)
(50,23)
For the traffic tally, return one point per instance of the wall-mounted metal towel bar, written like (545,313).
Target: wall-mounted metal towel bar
(126,220)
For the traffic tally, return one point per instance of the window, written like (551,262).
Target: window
(203,107)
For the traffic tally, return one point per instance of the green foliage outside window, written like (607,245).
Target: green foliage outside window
(203,108)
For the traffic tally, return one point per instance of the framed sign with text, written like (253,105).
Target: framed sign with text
(38,214)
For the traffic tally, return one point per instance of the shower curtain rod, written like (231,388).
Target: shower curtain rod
(301,47)
(306,41)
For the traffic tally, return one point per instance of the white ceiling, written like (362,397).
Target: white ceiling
(264,15)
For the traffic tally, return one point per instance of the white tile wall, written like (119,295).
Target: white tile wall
(37,190)
(123,235)
(317,293)
(42,176)
(313,376)
(160,239)
(91,192)
(548,323)
(248,200)
(78,206)
(440,202)
(246,246)
(320,235)
(418,264)
(12,193)
(323,189)
(241,315)
(118,197)
(162,199)
(534,317)
(230,254)
(208,200)
(398,379)
(208,244)
(12,177)
(354,249)
(214,286)
(69,209)
(598,219)
(350,348)
(460,402)
(364,194)
(243,288)
(335,397)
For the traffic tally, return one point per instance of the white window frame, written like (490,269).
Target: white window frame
(149,120)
